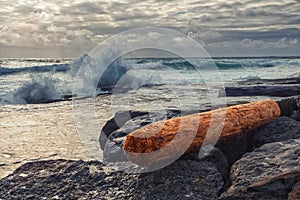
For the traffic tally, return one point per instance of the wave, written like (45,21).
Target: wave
(151,63)
(40,90)
(222,64)
(35,69)
(179,65)
(125,74)
(254,63)
(45,88)
(227,65)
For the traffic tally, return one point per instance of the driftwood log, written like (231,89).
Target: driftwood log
(166,139)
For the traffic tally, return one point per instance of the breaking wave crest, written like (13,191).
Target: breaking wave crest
(40,90)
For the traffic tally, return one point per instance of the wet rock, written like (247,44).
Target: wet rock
(269,172)
(271,91)
(280,129)
(65,179)
(258,81)
(119,119)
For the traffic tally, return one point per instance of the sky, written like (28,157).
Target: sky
(55,28)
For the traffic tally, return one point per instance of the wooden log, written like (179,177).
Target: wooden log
(178,135)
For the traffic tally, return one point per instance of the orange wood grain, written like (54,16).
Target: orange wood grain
(157,135)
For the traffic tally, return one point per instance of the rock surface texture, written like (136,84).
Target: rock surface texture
(281,129)
(65,179)
(269,172)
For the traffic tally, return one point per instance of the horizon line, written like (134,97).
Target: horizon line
(212,57)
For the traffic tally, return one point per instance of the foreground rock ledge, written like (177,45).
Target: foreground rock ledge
(65,179)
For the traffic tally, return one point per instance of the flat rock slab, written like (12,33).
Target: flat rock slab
(279,130)
(65,179)
(269,172)
(271,91)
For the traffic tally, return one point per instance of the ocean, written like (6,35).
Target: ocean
(44,80)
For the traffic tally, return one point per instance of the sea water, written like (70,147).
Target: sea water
(44,80)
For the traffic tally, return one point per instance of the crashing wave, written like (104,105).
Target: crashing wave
(40,90)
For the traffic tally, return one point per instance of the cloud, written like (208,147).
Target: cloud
(53,28)
(260,44)
(83,24)
(209,35)
(79,32)
(254,44)
(85,8)
(282,43)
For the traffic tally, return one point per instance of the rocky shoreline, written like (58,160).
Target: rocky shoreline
(262,164)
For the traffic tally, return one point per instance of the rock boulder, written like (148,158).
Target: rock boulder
(269,172)
(280,129)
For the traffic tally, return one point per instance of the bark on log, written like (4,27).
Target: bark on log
(172,136)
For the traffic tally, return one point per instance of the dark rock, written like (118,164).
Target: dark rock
(295,115)
(119,119)
(289,105)
(217,157)
(63,179)
(203,182)
(295,193)
(269,172)
(281,129)
(271,91)
(236,145)
(282,81)
(69,96)
(297,99)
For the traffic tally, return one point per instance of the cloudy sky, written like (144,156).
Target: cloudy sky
(55,28)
